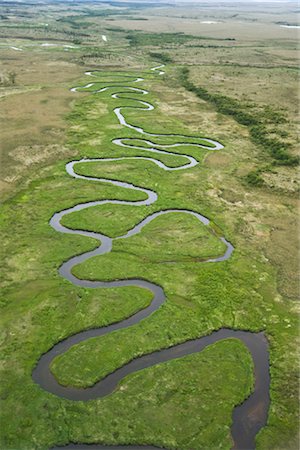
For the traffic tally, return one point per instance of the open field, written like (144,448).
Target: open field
(242,72)
(32,113)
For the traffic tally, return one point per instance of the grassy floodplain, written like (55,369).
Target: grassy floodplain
(172,405)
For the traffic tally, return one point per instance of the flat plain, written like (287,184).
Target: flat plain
(233,81)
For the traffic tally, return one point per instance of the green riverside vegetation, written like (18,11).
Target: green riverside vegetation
(256,124)
(233,81)
(43,308)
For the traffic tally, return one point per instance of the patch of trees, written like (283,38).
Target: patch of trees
(8,79)
(139,38)
(74,22)
(255,121)
(254,178)
(162,57)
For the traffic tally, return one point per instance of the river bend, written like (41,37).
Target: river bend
(251,415)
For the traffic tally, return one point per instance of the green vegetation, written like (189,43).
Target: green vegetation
(154,39)
(8,79)
(165,239)
(162,57)
(254,178)
(256,122)
(29,301)
(248,103)
(160,401)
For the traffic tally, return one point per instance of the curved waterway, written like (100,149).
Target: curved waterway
(251,415)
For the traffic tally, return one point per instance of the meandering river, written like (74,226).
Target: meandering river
(249,417)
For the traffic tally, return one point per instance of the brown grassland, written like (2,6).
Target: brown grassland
(246,59)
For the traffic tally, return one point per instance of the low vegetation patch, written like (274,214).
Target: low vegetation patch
(185,403)
(256,123)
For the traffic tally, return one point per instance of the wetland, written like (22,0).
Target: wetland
(151,181)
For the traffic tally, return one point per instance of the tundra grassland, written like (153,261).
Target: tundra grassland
(249,61)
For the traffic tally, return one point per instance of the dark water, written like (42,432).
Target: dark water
(249,417)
